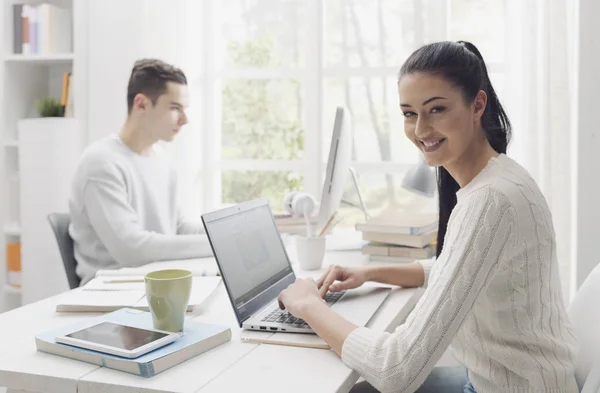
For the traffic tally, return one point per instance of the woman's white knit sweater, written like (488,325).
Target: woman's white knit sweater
(493,296)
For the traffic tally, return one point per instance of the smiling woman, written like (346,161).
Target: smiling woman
(456,116)
(493,294)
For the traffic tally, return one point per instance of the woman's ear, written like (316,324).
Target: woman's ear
(479,104)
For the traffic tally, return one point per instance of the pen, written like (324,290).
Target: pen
(324,230)
(141,279)
(123,280)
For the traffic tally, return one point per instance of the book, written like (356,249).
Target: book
(143,270)
(401,223)
(102,295)
(417,241)
(293,225)
(65,92)
(288,219)
(374,248)
(197,338)
(292,230)
(18,29)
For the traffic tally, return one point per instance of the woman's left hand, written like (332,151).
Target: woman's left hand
(299,296)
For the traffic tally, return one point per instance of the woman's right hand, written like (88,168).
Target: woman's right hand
(346,277)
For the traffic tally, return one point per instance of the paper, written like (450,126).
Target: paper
(98,301)
(142,271)
(198,267)
(109,284)
(108,297)
(288,339)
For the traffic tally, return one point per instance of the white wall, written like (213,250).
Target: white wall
(586,143)
(115,39)
(121,32)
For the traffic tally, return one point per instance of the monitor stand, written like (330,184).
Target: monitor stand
(362,206)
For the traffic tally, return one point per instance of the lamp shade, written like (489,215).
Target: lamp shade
(420,179)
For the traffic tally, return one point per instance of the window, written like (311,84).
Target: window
(273,72)
(270,73)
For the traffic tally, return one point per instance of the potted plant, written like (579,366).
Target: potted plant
(49,107)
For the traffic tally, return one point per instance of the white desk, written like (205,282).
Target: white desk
(233,366)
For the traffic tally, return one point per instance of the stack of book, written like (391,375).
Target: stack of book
(42,29)
(400,237)
(286,223)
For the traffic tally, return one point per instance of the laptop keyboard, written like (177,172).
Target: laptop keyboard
(282,316)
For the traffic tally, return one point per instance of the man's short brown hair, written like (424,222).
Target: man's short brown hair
(150,77)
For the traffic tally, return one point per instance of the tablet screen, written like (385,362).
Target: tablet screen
(118,336)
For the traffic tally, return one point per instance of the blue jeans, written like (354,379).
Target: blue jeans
(440,380)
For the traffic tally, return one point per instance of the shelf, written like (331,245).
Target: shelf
(59,58)
(12,229)
(11,143)
(12,290)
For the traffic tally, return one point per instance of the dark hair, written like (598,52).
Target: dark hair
(462,65)
(150,77)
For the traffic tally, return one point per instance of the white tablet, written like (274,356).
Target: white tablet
(117,339)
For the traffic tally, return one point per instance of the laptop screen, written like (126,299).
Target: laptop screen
(249,252)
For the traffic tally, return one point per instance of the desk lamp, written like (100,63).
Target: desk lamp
(420,179)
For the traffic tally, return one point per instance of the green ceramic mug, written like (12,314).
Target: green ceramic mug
(168,294)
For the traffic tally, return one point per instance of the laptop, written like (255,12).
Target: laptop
(255,268)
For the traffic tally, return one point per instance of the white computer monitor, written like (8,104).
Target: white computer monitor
(338,164)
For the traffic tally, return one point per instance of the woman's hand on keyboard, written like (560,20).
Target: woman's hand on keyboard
(299,296)
(346,277)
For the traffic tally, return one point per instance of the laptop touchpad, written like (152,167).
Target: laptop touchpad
(359,305)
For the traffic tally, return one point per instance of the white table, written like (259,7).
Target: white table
(233,366)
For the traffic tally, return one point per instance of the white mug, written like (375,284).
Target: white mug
(310,252)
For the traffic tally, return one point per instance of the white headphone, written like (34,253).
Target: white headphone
(299,203)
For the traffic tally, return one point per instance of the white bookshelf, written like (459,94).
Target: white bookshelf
(24,79)
(49,59)
(11,143)
(10,290)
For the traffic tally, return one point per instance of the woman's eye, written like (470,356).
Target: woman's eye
(438,109)
(409,114)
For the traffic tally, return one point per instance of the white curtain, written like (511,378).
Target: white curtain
(538,94)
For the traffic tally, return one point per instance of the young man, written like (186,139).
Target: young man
(124,195)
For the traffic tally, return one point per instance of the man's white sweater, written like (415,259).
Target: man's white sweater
(493,296)
(124,211)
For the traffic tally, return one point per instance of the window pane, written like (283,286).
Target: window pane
(240,186)
(368,33)
(263,33)
(483,23)
(261,119)
(378,125)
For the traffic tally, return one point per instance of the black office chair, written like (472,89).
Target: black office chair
(60,225)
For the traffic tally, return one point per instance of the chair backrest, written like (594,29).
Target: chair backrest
(60,225)
(584,312)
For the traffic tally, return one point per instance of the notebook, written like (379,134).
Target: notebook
(397,222)
(197,338)
(99,295)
